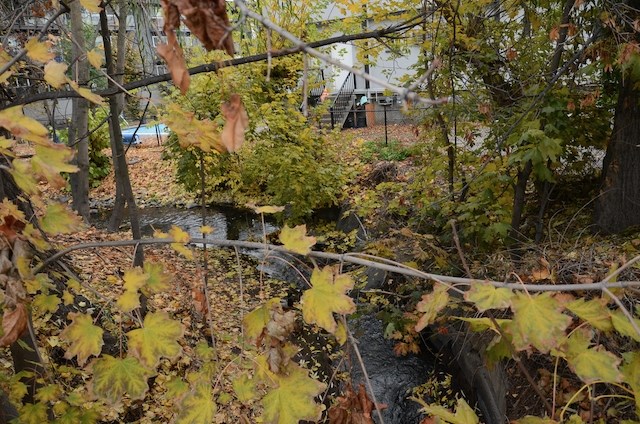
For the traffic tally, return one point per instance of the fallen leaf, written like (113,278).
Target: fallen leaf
(236,123)
(14,323)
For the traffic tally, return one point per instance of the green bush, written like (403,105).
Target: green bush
(99,163)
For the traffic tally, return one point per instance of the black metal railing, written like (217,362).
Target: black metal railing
(343,102)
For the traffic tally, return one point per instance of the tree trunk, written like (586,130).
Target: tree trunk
(79,128)
(117,149)
(618,206)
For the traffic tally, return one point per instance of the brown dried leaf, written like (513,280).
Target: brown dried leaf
(353,408)
(207,20)
(14,323)
(199,301)
(237,119)
(172,54)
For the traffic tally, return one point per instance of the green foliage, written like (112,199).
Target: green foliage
(379,150)
(99,163)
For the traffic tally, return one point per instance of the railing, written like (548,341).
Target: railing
(343,102)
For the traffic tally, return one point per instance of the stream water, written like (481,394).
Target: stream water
(392,377)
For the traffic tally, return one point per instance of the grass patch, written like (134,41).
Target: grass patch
(391,151)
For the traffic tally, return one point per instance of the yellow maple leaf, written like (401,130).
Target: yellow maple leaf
(430,305)
(38,50)
(296,240)
(54,73)
(50,160)
(22,174)
(85,338)
(95,58)
(113,378)
(255,321)
(157,279)
(326,296)
(134,279)
(58,219)
(22,126)
(128,301)
(198,406)
(91,5)
(180,237)
(86,93)
(157,338)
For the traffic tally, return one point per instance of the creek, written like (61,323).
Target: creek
(392,377)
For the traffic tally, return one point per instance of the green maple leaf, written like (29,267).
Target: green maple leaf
(245,388)
(198,406)
(176,387)
(463,415)
(430,305)
(623,326)
(158,280)
(33,413)
(49,393)
(46,303)
(485,296)
(593,311)
(591,364)
(50,160)
(134,279)
(255,321)
(537,321)
(113,378)
(296,240)
(631,374)
(158,338)
(58,219)
(291,397)
(326,296)
(85,338)
(78,415)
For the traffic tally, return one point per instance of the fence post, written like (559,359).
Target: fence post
(385,124)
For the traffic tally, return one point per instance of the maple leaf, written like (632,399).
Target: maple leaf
(353,407)
(21,126)
(244,387)
(174,58)
(591,364)
(485,296)
(91,5)
(38,51)
(50,160)
(236,122)
(631,374)
(326,296)
(180,237)
(128,301)
(296,240)
(14,323)
(85,338)
(530,419)
(156,339)
(54,73)
(46,303)
(33,413)
(86,93)
(134,279)
(256,321)
(157,279)
(430,305)
(291,396)
(23,176)
(58,219)
(623,326)
(464,413)
(198,406)
(593,311)
(537,321)
(113,378)
(95,58)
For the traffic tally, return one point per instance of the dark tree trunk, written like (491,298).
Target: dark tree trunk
(618,206)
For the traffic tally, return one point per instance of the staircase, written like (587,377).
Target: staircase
(341,104)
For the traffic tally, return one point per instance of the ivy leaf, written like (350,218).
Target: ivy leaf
(537,321)
(198,406)
(157,279)
(296,240)
(631,374)
(255,321)
(158,338)
(623,326)
(113,378)
(85,338)
(591,364)
(463,415)
(50,160)
(38,50)
(54,73)
(593,311)
(244,387)
(291,397)
(326,296)
(485,296)
(430,305)
(58,219)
